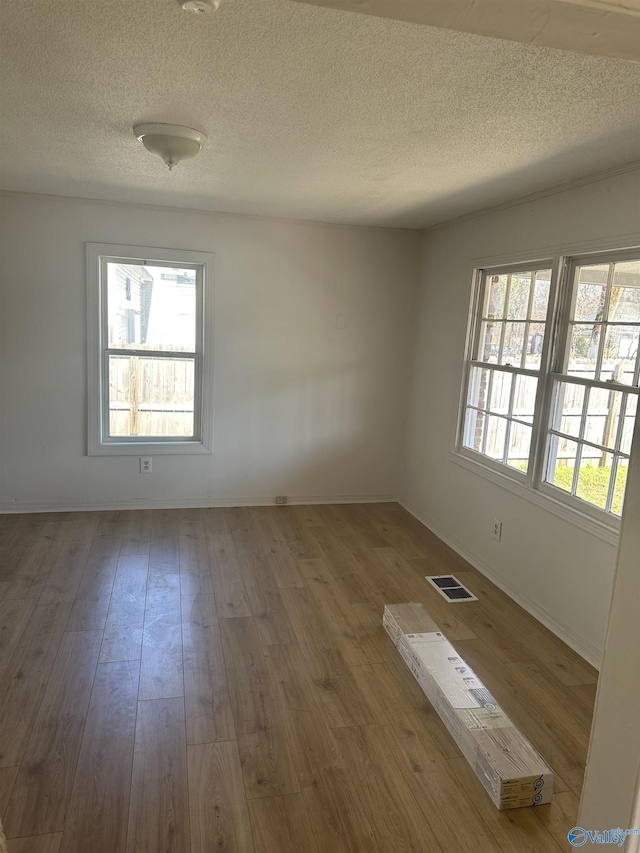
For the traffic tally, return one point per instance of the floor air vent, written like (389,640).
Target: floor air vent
(450,588)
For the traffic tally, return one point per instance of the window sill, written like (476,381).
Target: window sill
(601,529)
(149,448)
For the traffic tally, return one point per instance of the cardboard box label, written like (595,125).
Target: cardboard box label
(415,639)
(462,688)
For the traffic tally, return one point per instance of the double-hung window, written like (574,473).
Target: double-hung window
(552,377)
(149,350)
(505,364)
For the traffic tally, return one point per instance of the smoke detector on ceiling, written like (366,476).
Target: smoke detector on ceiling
(172,142)
(199,5)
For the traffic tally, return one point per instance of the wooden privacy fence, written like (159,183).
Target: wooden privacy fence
(151,396)
(572,404)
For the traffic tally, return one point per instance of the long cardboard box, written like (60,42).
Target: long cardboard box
(512,772)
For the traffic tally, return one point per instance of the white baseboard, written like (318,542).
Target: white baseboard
(567,634)
(11,507)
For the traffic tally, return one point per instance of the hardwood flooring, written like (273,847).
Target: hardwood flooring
(200,680)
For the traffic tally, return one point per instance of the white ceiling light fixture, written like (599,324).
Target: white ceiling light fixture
(172,142)
(199,5)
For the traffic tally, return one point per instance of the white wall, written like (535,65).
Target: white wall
(301,408)
(560,572)
(612,776)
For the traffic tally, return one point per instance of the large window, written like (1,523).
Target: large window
(552,376)
(149,350)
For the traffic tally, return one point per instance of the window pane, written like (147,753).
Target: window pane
(519,296)
(489,346)
(625,305)
(569,401)
(513,344)
(151,307)
(151,396)
(535,339)
(620,353)
(475,424)
(625,295)
(524,398)
(590,293)
(620,485)
(496,288)
(594,476)
(629,421)
(500,392)
(583,351)
(519,446)
(562,462)
(541,295)
(603,414)
(496,435)
(478,387)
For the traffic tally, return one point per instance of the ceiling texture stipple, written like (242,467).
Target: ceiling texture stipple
(595,27)
(311,113)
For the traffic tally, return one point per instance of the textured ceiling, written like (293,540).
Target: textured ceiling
(595,27)
(311,113)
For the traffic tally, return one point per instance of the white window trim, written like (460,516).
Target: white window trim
(531,486)
(96,443)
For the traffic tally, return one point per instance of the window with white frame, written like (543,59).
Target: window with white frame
(149,350)
(552,375)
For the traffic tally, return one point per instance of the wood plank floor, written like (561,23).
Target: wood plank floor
(191,681)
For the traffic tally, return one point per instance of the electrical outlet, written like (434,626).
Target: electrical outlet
(497,529)
(145,464)
(281,499)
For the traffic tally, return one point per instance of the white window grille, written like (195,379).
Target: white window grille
(150,350)
(552,376)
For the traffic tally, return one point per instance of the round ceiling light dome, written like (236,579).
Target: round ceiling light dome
(171,142)
(199,5)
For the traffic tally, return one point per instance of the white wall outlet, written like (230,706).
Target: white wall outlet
(281,499)
(146,464)
(497,529)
